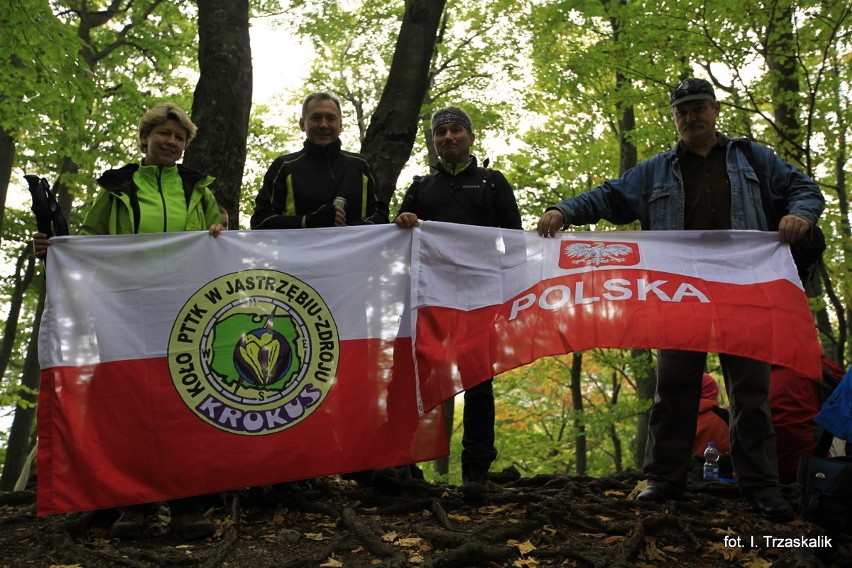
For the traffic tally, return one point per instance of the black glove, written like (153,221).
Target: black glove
(322,217)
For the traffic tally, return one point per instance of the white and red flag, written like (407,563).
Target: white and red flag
(488,300)
(182,364)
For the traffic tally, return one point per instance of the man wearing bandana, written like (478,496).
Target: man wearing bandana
(459,191)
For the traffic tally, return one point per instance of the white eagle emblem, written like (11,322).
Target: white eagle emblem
(597,253)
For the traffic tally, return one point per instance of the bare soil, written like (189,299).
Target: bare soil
(547,520)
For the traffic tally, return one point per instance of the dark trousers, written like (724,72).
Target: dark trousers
(671,431)
(478,451)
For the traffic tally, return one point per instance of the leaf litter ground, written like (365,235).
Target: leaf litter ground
(543,521)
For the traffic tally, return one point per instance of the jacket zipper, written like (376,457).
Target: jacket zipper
(162,198)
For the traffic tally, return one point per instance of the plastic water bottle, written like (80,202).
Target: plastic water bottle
(711,462)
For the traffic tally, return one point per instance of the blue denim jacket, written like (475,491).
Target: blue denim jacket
(652,192)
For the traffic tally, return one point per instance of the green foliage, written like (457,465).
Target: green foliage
(15,244)
(355,44)
(266,142)
(537,426)
(112,64)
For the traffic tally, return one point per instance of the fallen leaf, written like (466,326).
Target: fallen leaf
(459,518)
(495,509)
(390,537)
(654,553)
(409,542)
(523,547)
(313,536)
(331,563)
(724,532)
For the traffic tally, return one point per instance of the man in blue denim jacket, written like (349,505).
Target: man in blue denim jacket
(705,182)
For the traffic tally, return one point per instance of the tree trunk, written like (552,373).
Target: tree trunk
(393,127)
(222,102)
(780,55)
(21,433)
(7,159)
(23,276)
(845,315)
(442,465)
(577,404)
(617,452)
(646,384)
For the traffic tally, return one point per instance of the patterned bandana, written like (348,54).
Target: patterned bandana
(455,116)
(691,90)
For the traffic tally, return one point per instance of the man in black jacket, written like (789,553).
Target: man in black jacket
(299,189)
(461,192)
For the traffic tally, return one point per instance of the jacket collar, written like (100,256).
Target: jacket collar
(456,169)
(332,149)
(116,178)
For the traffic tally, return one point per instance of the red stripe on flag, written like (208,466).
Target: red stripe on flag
(119,433)
(613,309)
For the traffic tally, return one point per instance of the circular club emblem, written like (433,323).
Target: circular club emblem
(254,352)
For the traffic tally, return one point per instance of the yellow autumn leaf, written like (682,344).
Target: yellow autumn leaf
(759,563)
(331,563)
(727,552)
(495,509)
(459,518)
(724,532)
(523,547)
(409,542)
(390,537)
(313,536)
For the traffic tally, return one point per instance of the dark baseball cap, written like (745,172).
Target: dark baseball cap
(692,90)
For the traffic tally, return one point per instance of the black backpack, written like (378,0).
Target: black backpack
(826,485)
(826,482)
(807,251)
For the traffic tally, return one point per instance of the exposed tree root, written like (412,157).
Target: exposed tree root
(545,521)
